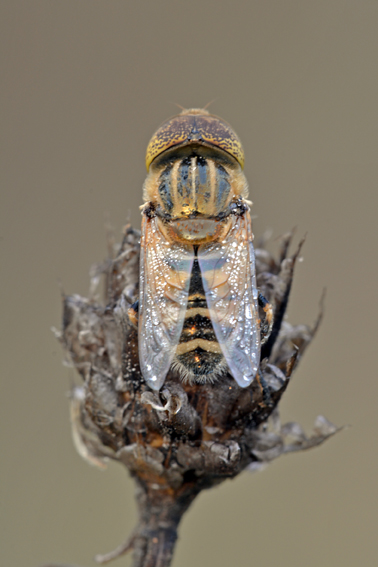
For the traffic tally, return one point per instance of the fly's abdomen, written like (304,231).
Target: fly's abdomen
(198,353)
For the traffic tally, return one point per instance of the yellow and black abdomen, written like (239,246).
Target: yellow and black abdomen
(198,353)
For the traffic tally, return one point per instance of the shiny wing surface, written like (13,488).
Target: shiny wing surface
(165,269)
(228,276)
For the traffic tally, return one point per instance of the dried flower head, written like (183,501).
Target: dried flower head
(189,435)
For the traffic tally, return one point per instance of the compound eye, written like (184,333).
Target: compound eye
(172,133)
(195,126)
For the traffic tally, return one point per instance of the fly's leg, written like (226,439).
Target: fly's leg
(133,313)
(267,398)
(267,324)
(265,330)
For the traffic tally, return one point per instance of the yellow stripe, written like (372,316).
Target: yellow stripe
(213,187)
(194,173)
(197,311)
(209,346)
(174,192)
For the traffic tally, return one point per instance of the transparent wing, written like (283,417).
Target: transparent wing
(165,270)
(228,276)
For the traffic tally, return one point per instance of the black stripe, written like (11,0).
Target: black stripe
(198,321)
(203,179)
(223,186)
(165,188)
(184,185)
(202,170)
(196,285)
(197,327)
(209,336)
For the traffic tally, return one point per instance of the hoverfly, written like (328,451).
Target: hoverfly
(198,302)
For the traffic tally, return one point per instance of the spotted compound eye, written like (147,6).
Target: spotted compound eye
(195,126)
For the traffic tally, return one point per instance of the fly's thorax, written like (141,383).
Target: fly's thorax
(187,184)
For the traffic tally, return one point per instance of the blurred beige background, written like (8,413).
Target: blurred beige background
(84,85)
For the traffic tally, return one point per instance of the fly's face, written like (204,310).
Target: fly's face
(198,298)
